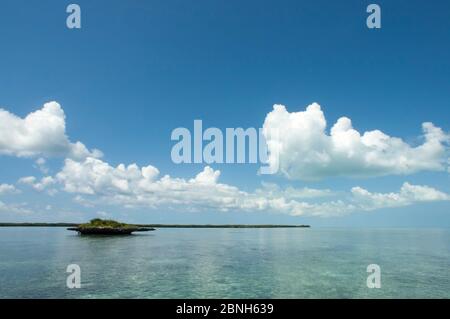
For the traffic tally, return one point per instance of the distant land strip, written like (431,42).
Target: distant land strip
(156,225)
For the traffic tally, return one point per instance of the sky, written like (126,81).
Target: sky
(363,114)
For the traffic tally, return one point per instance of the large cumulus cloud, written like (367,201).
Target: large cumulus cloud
(303,149)
(40,133)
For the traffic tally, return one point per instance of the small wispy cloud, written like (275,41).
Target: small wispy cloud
(8,189)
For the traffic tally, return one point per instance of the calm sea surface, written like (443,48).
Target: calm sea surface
(226,263)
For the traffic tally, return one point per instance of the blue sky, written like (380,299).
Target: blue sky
(138,69)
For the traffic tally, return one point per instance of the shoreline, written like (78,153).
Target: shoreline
(159,225)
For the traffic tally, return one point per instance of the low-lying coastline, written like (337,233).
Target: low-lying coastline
(160,225)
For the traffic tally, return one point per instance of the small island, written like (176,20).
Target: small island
(108,227)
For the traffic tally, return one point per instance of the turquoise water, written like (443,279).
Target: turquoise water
(226,263)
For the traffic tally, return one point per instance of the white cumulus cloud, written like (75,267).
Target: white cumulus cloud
(303,149)
(39,185)
(8,189)
(408,195)
(40,133)
(15,209)
(97,182)
(306,151)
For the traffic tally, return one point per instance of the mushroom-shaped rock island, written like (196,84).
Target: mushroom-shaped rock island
(107,227)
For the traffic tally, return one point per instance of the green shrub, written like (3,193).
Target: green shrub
(104,223)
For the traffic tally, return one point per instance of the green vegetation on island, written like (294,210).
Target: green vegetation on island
(105,223)
(107,227)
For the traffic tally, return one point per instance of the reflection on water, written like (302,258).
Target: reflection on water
(226,263)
